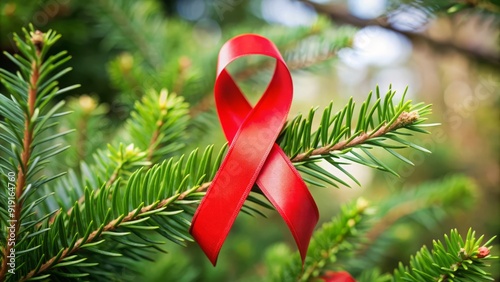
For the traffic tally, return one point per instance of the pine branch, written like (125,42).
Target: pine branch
(338,141)
(112,226)
(335,239)
(37,40)
(456,260)
(143,193)
(192,178)
(297,134)
(158,125)
(130,209)
(25,119)
(404,119)
(426,205)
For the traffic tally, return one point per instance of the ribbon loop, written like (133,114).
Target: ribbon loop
(253,156)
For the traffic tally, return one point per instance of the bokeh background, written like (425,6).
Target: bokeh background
(446,52)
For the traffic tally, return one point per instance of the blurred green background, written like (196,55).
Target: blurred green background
(446,52)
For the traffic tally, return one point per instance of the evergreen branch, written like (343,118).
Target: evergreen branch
(156,129)
(38,41)
(193,178)
(426,205)
(109,167)
(333,240)
(404,119)
(26,115)
(158,125)
(164,190)
(139,199)
(456,260)
(338,140)
(396,122)
(111,226)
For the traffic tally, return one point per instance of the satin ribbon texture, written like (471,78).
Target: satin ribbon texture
(253,156)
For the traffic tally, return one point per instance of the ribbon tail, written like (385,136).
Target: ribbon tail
(283,186)
(213,220)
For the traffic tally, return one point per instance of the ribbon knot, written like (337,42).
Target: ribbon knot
(253,156)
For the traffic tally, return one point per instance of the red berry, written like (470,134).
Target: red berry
(340,276)
(483,252)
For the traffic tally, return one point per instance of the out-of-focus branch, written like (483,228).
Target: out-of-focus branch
(340,14)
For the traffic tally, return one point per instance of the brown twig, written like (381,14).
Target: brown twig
(341,15)
(162,103)
(404,119)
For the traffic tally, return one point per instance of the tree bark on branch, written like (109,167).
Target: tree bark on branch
(340,15)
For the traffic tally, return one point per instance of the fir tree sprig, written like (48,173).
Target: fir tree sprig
(111,222)
(455,260)
(26,116)
(335,239)
(424,206)
(154,131)
(355,259)
(158,125)
(341,139)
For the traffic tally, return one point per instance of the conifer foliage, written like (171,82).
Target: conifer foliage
(101,216)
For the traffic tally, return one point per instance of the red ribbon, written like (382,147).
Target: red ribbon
(253,156)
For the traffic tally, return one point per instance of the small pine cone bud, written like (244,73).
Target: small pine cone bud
(37,39)
(483,252)
(125,62)
(408,118)
(87,103)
